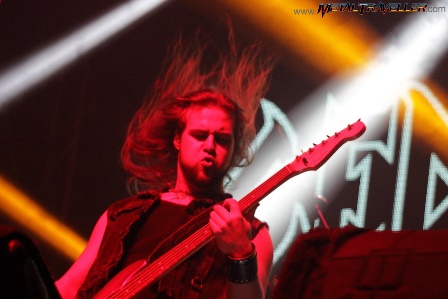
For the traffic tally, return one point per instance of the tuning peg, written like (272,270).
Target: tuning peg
(305,161)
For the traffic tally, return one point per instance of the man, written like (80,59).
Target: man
(179,149)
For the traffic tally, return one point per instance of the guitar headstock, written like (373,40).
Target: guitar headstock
(320,153)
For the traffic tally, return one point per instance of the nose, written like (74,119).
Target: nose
(209,144)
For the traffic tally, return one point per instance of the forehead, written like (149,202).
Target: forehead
(211,118)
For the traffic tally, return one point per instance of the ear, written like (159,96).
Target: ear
(176,140)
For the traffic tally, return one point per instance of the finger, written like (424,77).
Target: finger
(221,211)
(216,229)
(217,219)
(232,206)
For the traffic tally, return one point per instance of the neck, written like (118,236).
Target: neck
(211,190)
(177,197)
(198,193)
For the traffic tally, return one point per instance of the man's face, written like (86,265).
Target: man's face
(205,147)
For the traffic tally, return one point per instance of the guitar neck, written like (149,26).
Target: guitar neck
(264,189)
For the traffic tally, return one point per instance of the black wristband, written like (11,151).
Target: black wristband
(243,270)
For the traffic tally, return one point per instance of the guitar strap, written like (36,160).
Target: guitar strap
(201,274)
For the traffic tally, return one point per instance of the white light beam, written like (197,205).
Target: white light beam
(48,61)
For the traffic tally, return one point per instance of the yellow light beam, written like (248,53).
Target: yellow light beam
(25,211)
(332,43)
(431,122)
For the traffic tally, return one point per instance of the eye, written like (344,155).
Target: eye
(223,139)
(201,136)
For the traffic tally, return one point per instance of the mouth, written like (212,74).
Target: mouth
(208,161)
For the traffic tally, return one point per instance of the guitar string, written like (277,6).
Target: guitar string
(146,275)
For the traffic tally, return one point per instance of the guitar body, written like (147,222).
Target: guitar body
(119,281)
(141,274)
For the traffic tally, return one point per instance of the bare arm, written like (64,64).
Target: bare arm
(69,284)
(256,288)
(232,234)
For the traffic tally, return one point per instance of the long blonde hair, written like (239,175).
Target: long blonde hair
(236,81)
